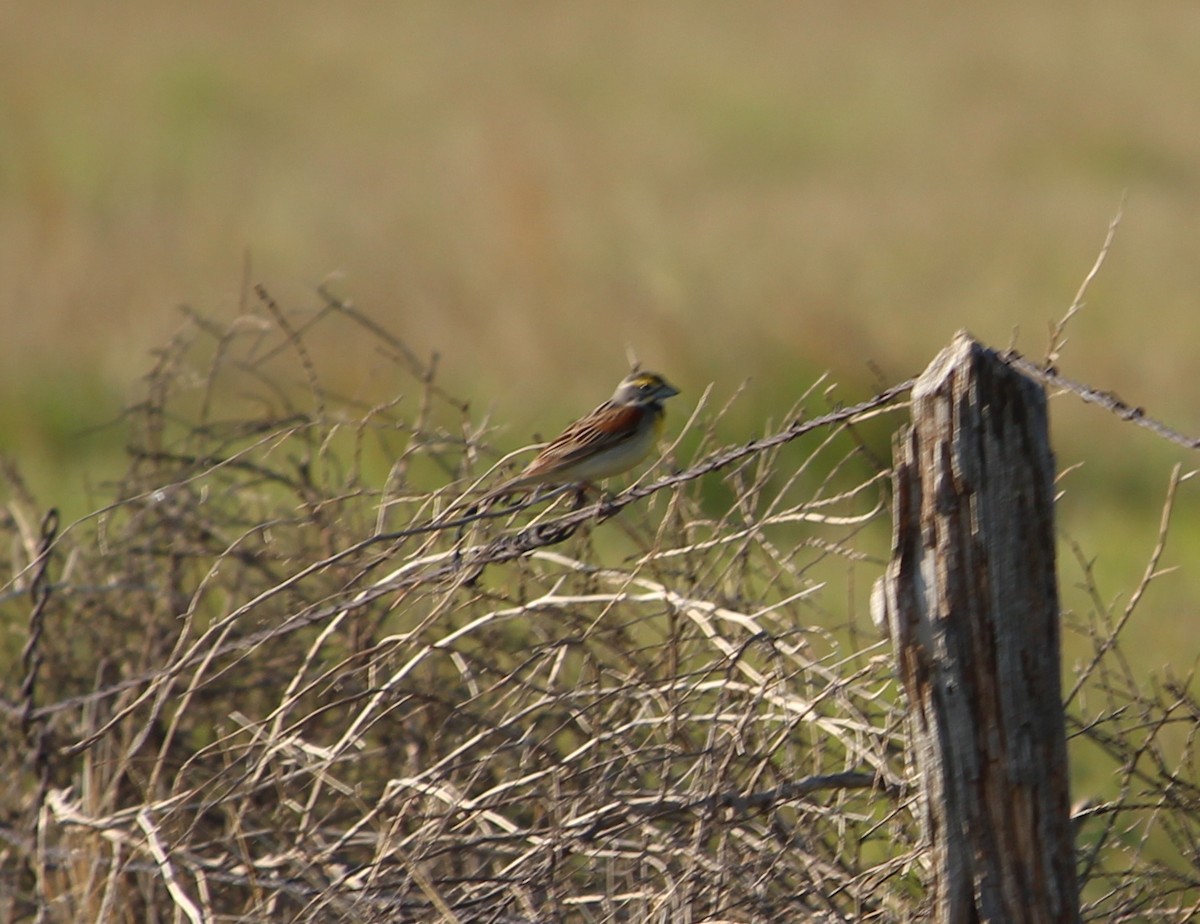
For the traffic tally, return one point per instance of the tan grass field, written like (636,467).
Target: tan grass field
(752,191)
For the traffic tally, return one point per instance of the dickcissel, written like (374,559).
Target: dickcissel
(610,440)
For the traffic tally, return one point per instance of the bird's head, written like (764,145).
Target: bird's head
(642,389)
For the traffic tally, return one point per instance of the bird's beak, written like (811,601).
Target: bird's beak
(667,391)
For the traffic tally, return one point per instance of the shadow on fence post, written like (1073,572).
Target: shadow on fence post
(970,601)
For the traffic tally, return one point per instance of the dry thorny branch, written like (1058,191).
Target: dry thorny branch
(289,672)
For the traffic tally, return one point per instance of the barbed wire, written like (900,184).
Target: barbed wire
(251,710)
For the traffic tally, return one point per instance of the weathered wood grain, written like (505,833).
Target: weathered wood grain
(970,601)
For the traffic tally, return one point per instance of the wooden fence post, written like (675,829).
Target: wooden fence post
(970,601)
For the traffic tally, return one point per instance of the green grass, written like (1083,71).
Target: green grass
(734,192)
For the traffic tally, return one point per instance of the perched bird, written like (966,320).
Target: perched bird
(610,440)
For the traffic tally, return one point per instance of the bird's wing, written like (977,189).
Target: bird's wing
(609,425)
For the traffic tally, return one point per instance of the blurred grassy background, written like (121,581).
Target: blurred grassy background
(761,190)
